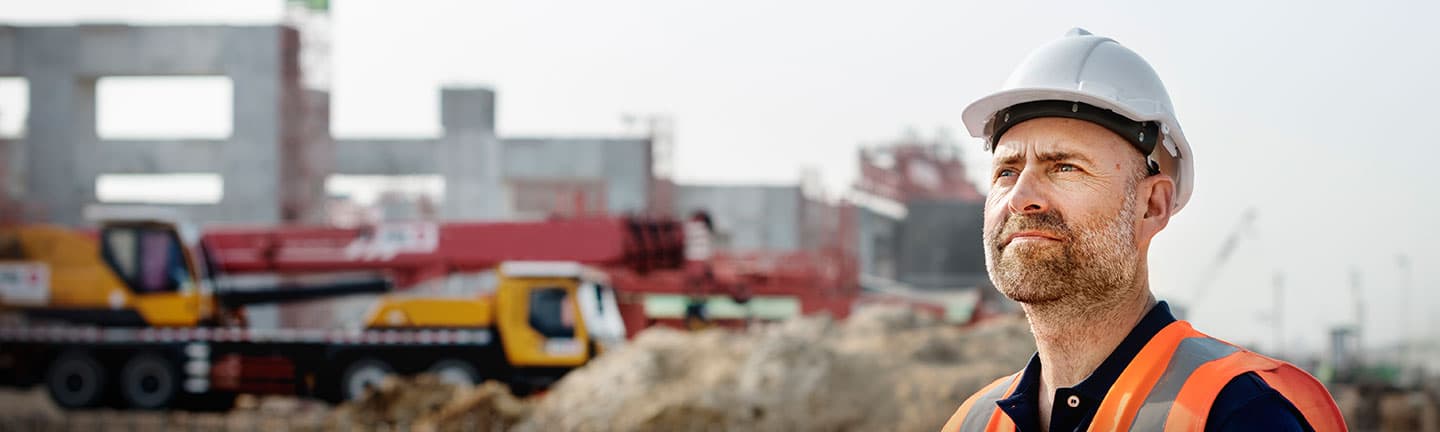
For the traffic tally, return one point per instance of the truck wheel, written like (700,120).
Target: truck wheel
(76,380)
(149,381)
(362,374)
(455,371)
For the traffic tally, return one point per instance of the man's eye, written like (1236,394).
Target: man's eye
(1005,173)
(1066,168)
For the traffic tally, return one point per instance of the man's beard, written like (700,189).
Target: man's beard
(1094,261)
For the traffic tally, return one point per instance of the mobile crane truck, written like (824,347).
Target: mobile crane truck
(149,314)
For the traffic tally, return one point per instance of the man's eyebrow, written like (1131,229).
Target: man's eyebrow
(1059,156)
(1056,156)
(1010,159)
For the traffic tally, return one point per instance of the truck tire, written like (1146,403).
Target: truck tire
(76,380)
(455,371)
(149,381)
(362,374)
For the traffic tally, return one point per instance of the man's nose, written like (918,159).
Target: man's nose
(1028,195)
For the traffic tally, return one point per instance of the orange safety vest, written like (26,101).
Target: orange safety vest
(1170,385)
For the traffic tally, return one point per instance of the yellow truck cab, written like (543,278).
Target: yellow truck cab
(131,273)
(548,316)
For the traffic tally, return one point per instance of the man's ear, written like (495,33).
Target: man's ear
(1158,192)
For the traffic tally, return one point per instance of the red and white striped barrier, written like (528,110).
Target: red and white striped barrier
(91,334)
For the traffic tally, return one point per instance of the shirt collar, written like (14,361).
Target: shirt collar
(1024,402)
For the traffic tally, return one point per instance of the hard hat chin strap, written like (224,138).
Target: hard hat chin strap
(1151,166)
(1143,135)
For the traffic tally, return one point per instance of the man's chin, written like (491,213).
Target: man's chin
(1032,296)
(1034,259)
(1031,249)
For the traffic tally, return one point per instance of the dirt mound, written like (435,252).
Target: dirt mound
(883,369)
(487,407)
(424,403)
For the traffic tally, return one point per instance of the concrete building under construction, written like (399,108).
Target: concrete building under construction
(275,163)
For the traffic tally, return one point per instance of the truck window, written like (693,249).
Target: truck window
(119,250)
(599,292)
(148,259)
(550,314)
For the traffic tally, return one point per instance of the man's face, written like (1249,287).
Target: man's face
(1061,216)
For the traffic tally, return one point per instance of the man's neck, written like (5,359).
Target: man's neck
(1072,340)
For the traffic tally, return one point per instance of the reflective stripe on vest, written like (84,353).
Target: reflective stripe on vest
(1170,385)
(1192,352)
(979,412)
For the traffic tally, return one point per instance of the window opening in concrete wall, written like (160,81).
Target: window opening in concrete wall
(14,106)
(196,107)
(177,188)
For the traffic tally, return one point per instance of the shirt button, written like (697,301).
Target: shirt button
(1073,401)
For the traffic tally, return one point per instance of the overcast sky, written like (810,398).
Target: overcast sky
(1316,114)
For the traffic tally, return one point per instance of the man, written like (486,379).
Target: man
(1090,164)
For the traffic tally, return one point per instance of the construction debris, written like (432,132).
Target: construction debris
(424,403)
(883,369)
(490,406)
(1408,411)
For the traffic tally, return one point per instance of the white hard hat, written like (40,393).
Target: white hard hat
(1074,75)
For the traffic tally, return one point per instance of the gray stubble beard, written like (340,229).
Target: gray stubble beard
(1096,265)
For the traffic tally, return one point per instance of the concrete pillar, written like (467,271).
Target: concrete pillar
(469,156)
(10,168)
(60,136)
(250,165)
(309,157)
(307,151)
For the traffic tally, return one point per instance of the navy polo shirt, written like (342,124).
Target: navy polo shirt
(1246,403)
